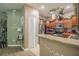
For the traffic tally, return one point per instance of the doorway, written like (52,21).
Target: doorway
(11,28)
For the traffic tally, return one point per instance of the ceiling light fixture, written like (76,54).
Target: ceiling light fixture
(42,7)
(68,7)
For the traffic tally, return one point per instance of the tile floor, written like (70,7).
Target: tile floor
(17,51)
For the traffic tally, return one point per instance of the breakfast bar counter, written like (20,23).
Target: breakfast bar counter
(58,46)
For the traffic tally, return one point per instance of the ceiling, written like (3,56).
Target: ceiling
(50,6)
(6,6)
(43,12)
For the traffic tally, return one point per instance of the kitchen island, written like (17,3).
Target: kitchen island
(58,46)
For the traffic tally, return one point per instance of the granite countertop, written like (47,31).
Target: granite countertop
(60,39)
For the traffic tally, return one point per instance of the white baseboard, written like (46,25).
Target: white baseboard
(17,46)
(13,45)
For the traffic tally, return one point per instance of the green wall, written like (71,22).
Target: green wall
(13,22)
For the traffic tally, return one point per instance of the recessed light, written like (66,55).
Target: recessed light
(42,7)
(68,6)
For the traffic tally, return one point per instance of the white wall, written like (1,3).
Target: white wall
(33,23)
